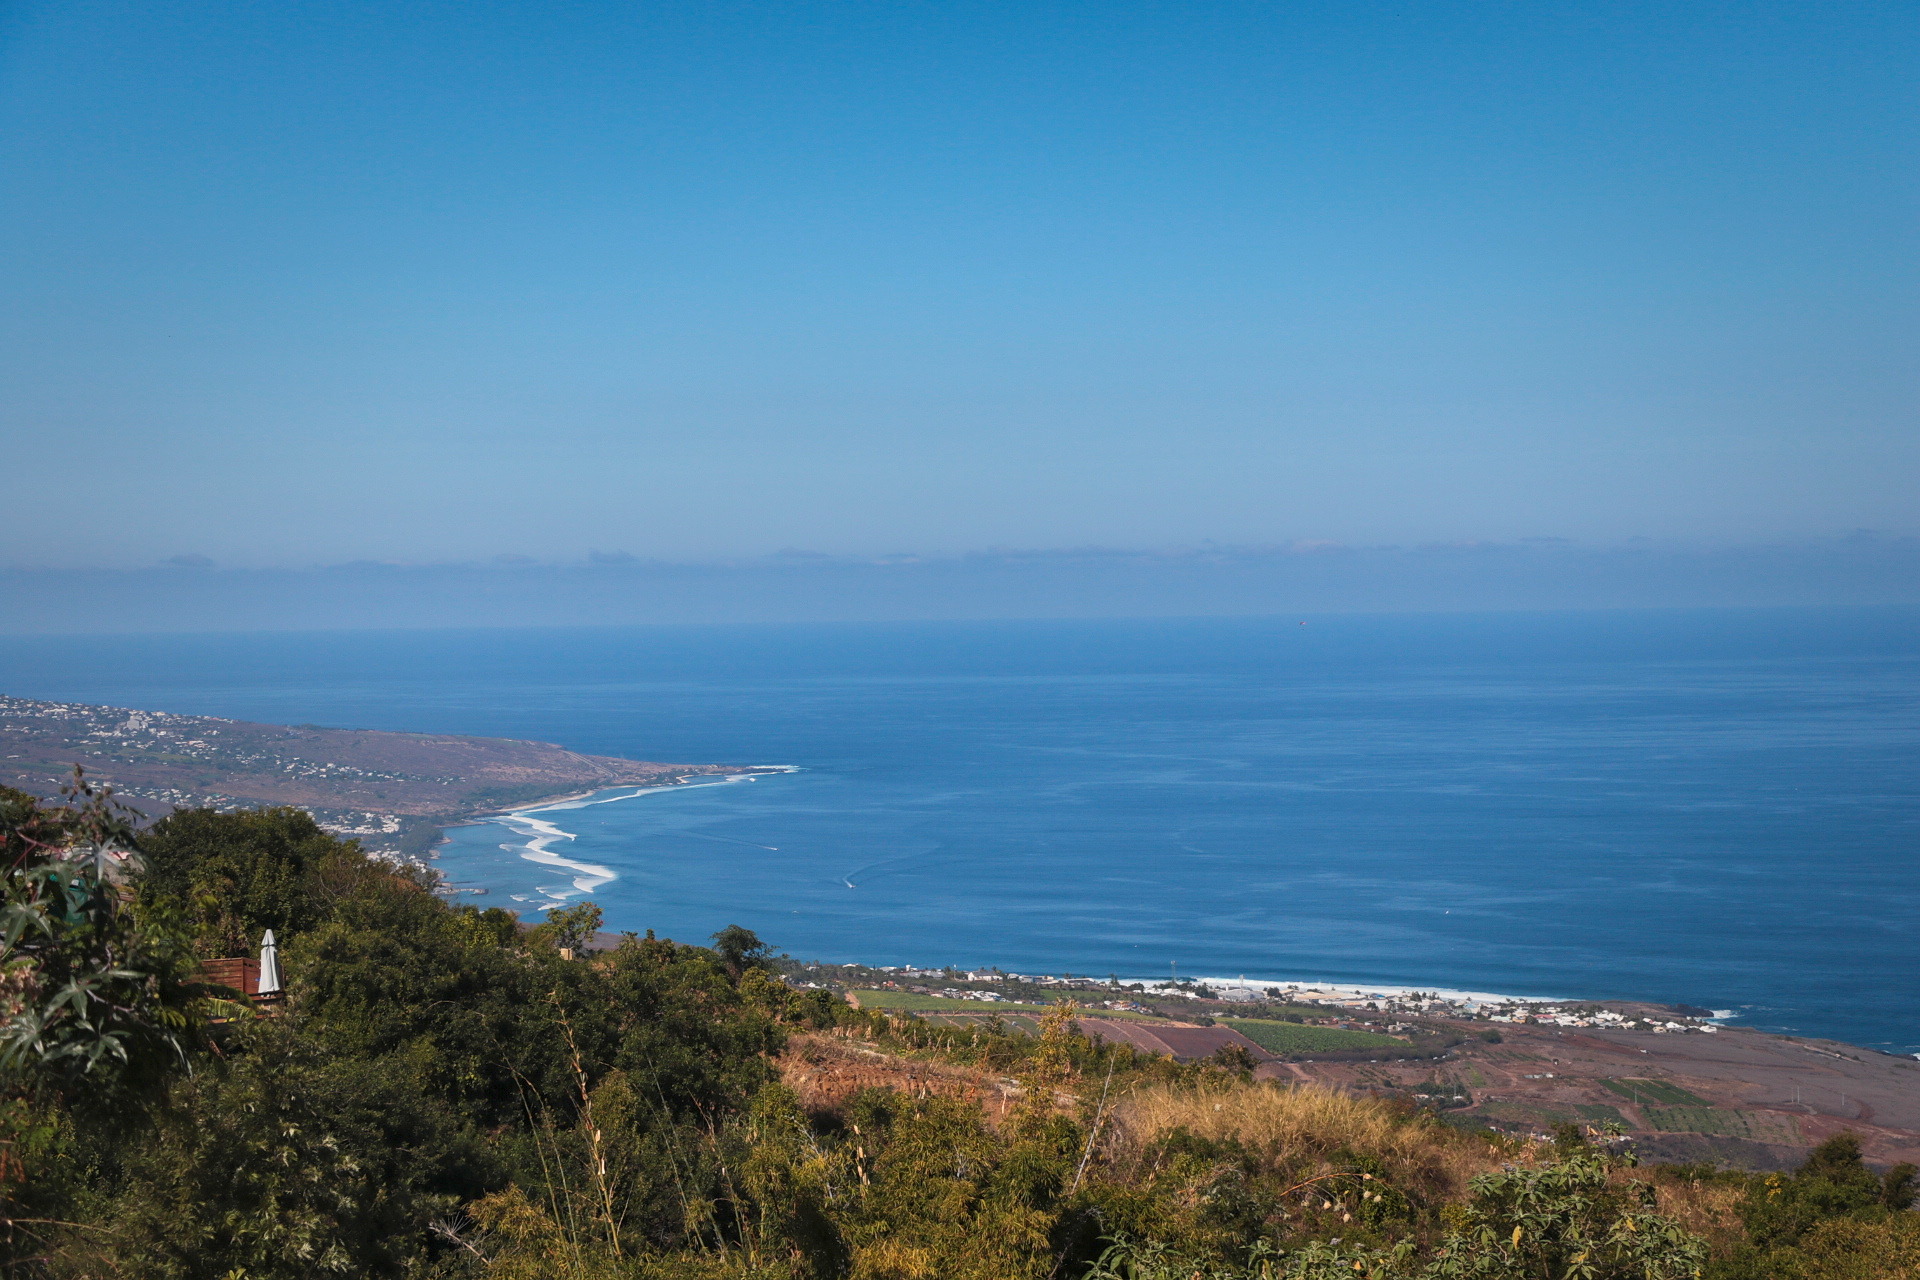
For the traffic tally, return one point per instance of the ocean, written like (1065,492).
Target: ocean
(1716,807)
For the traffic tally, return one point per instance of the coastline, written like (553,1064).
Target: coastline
(540,834)
(567,874)
(1370,990)
(720,774)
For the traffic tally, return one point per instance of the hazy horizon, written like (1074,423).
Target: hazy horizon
(1861,570)
(305,285)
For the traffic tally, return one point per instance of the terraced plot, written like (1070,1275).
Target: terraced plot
(913,1002)
(1529,1113)
(1023,1023)
(1658,1091)
(1758,1126)
(1291,1037)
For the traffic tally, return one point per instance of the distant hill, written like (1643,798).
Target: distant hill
(381,787)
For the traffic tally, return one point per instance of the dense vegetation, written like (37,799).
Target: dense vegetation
(444,1093)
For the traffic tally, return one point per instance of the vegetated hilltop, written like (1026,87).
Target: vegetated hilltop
(444,1094)
(361,782)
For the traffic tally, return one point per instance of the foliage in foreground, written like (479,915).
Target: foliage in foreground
(1569,1217)
(448,1094)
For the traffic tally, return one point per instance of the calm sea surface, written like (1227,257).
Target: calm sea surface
(1720,808)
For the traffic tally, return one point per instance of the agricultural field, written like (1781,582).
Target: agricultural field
(1757,1126)
(1658,1091)
(1025,1024)
(1601,1113)
(1534,1114)
(1291,1037)
(913,1002)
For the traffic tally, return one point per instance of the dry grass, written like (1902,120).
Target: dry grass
(825,1070)
(1309,1126)
(1709,1209)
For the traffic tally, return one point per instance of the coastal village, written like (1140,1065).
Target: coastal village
(991,986)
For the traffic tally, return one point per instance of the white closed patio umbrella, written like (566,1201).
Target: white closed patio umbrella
(269,967)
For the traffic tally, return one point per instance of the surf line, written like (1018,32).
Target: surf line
(589,875)
(544,835)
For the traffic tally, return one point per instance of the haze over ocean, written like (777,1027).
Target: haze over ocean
(1716,807)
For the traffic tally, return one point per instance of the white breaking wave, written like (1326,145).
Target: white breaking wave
(543,835)
(539,848)
(1348,990)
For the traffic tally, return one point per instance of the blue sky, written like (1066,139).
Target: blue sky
(299,284)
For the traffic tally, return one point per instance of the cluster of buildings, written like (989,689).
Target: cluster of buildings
(1547,1016)
(1462,1005)
(1589,1016)
(993,975)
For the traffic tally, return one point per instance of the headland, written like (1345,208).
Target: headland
(392,791)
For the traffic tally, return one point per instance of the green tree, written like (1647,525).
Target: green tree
(1565,1219)
(87,985)
(570,927)
(97,1005)
(740,949)
(284,1163)
(236,875)
(1833,1185)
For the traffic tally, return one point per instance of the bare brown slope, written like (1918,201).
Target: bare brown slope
(1766,1098)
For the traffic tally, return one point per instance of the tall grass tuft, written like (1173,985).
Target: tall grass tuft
(1307,1126)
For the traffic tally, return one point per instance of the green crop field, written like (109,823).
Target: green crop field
(1025,1024)
(1278,1012)
(1291,1037)
(912,1002)
(1755,1125)
(1526,1113)
(1601,1113)
(1642,1091)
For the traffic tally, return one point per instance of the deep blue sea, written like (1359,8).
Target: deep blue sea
(1715,807)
